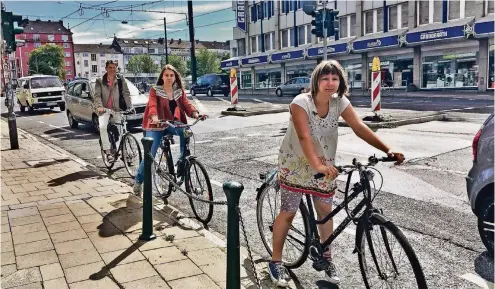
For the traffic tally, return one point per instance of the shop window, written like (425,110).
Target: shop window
(450,70)
(246,80)
(267,78)
(424,12)
(392,17)
(454,9)
(395,72)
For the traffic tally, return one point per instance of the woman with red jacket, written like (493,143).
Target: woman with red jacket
(167,101)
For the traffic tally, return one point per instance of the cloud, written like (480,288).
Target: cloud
(90,38)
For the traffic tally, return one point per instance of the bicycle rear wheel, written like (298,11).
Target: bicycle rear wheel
(296,247)
(131,154)
(198,184)
(395,264)
(161,174)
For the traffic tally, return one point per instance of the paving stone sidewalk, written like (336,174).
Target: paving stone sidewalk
(67,226)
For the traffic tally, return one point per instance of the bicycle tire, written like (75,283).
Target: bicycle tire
(291,263)
(106,162)
(191,190)
(387,227)
(126,146)
(162,184)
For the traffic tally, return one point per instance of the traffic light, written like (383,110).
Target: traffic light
(332,22)
(8,30)
(317,22)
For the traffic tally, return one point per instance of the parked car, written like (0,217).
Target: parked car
(80,108)
(40,91)
(211,84)
(479,182)
(295,86)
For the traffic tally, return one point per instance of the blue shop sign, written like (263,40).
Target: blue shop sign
(483,28)
(229,64)
(241,15)
(337,48)
(437,34)
(375,43)
(288,55)
(255,60)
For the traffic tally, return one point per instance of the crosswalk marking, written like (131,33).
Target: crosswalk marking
(216,183)
(223,100)
(228,138)
(476,279)
(200,106)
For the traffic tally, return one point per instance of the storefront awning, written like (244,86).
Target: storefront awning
(378,40)
(288,55)
(440,31)
(339,46)
(253,60)
(484,27)
(230,63)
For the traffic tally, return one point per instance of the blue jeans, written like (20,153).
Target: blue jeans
(157,138)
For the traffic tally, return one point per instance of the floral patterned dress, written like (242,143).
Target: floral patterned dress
(295,172)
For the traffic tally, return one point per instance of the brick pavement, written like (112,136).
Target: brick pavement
(66,226)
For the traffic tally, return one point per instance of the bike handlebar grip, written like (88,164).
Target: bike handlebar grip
(388,159)
(319,175)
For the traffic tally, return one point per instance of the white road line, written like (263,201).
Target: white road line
(86,134)
(45,136)
(66,130)
(216,183)
(228,138)
(476,279)
(253,134)
(201,107)
(40,121)
(98,157)
(470,107)
(203,141)
(223,100)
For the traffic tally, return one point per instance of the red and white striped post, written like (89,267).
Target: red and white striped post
(234,96)
(376,81)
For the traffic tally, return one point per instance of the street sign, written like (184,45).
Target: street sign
(309,7)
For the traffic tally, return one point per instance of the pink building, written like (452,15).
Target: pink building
(38,33)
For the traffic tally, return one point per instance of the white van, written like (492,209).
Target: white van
(40,91)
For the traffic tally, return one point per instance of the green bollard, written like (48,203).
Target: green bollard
(233,191)
(147,231)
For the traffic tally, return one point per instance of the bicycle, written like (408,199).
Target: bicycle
(304,240)
(129,145)
(166,179)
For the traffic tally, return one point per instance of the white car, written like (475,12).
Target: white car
(40,91)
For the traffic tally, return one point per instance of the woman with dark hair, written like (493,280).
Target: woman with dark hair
(167,101)
(309,147)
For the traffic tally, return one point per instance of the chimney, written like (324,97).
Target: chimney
(180,40)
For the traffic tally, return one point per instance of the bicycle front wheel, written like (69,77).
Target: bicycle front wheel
(296,246)
(131,154)
(198,185)
(386,258)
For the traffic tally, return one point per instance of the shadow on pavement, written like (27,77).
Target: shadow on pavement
(483,266)
(105,270)
(72,177)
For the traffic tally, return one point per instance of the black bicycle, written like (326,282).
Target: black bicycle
(193,173)
(128,146)
(381,246)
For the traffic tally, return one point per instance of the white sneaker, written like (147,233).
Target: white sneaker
(279,274)
(331,273)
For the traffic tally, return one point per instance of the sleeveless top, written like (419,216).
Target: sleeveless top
(295,172)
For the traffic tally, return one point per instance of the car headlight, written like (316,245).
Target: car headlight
(35,95)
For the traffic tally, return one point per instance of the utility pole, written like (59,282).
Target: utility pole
(191,39)
(166,41)
(325,49)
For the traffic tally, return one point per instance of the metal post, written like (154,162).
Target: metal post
(147,230)
(233,191)
(14,141)
(166,41)
(194,75)
(325,50)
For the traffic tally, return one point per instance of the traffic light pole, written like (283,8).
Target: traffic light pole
(191,39)
(325,49)
(165,40)
(14,140)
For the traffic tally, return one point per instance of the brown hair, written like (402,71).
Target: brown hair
(178,78)
(325,68)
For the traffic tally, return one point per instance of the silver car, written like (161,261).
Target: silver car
(295,86)
(480,182)
(80,108)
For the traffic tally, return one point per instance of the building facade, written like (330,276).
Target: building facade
(432,44)
(38,33)
(91,58)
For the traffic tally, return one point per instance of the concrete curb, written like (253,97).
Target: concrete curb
(253,112)
(396,123)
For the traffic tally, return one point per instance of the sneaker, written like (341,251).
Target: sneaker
(137,189)
(331,273)
(279,274)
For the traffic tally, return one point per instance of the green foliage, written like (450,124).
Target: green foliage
(142,64)
(47,59)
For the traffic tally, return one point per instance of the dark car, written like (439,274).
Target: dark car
(211,84)
(480,182)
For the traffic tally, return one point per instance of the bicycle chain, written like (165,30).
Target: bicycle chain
(258,282)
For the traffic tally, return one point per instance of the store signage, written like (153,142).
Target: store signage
(255,60)
(483,28)
(229,64)
(437,34)
(287,55)
(375,43)
(241,15)
(336,48)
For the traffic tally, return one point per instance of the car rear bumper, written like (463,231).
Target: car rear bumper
(42,104)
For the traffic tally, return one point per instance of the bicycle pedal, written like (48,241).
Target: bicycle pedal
(321,265)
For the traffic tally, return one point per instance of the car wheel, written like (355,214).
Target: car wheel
(209,92)
(193,93)
(485,224)
(96,124)
(72,122)
(62,107)
(279,92)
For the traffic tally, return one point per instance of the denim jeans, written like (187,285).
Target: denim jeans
(157,138)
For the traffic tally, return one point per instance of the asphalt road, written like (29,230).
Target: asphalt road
(425,197)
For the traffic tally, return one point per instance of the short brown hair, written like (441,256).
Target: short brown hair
(110,62)
(178,78)
(325,68)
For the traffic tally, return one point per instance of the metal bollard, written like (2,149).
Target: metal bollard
(233,191)
(147,230)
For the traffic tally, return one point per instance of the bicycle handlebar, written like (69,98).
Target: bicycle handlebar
(125,112)
(178,124)
(372,160)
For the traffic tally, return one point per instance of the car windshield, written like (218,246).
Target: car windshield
(45,82)
(133,90)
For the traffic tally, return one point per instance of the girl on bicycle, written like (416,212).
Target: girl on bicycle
(167,101)
(308,148)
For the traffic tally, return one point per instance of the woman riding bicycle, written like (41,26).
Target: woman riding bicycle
(167,101)
(308,148)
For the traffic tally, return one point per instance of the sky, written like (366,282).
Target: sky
(98,25)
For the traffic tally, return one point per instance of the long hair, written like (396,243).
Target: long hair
(178,78)
(325,68)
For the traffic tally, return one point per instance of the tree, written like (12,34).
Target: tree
(47,59)
(179,64)
(207,62)
(142,64)
(225,56)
